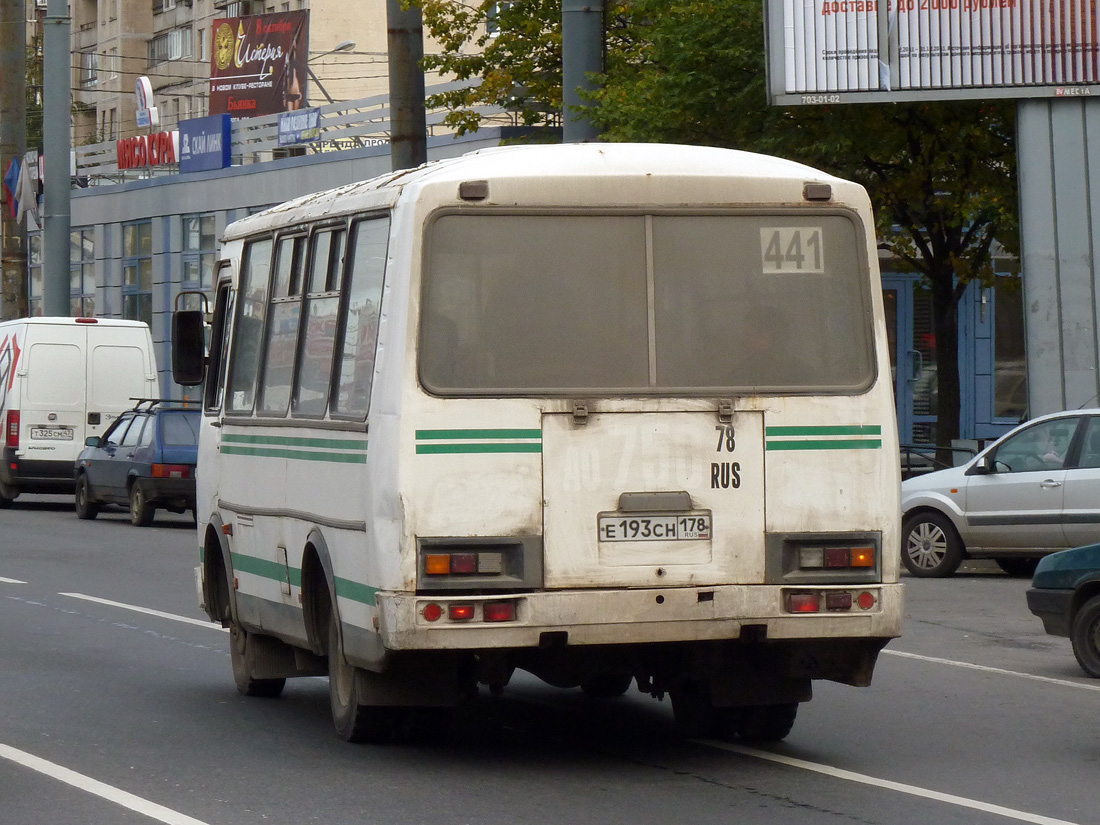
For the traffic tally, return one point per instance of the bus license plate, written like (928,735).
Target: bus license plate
(52,434)
(654,527)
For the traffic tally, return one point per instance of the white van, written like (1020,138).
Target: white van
(61,381)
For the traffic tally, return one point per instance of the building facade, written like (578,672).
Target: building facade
(114,42)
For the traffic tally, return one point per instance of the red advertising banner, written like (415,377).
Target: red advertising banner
(258,64)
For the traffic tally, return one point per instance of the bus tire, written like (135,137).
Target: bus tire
(239,640)
(85,507)
(354,721)
(930,547)
(766,723)
(607,685)
(7,496)
(141,511)
(1085,635)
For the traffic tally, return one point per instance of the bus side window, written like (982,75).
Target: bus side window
(355,348)
(322,304)
(219,342)
(249,327)
(283,318)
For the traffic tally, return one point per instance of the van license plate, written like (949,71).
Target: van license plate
(52,434)
(654,527)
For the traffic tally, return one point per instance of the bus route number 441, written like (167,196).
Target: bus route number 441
(654,527)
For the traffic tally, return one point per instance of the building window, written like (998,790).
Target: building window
(200,39)
(198,253)
(34,265)
(137,271)
(81,273)
(89,69)
(170,45)
(163,5)
(492,25)
(112,63)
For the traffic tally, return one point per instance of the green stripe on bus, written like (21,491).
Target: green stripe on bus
(464,435)
(301,455)
(831,444)
(263,568)
(854,429)
(355,591)
(290,441)
(518,447)
(259,567)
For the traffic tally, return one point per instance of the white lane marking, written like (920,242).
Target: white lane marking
(146,610)
(10,581)
(999,671)
(100,789)
(912,790)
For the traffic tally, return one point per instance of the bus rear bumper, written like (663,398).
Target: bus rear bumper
(613,617)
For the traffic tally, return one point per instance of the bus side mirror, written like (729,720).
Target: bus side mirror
(188,347)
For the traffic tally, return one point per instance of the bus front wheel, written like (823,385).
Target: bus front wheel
(354,721)
(239,641)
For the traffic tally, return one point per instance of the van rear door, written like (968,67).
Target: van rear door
(119,371)
(52,402)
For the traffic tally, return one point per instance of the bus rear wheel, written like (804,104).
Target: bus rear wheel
(766,723)
(353,720)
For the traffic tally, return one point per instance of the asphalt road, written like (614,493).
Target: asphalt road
(117,706)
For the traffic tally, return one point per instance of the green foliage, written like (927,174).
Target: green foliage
(519,65)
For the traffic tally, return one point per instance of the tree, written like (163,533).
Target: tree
(941,175)
(516,52)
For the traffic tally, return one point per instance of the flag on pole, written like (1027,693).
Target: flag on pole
(11,183)
(26,191)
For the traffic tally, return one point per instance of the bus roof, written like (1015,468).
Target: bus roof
(618,174)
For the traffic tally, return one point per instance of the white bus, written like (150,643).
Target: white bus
(609,414)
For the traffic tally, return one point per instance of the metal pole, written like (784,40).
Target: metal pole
(582,54)
(408,118)
(13,144)
(57,100)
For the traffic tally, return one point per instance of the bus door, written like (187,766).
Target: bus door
(652,499)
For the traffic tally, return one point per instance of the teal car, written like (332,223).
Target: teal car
(1065,594)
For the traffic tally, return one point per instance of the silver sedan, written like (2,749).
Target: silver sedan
(1034,491)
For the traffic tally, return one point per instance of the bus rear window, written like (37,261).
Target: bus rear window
(528,304)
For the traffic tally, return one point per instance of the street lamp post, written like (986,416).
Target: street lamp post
(345,46)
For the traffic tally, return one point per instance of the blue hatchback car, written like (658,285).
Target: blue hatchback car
(145,460)
(1065,594)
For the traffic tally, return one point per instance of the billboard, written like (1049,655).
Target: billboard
(848,51)
(258,64)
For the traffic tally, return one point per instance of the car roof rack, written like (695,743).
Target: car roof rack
(152,402)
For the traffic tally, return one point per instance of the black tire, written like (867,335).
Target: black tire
(696,714)
(1017,566)
(353,720)
(1085,635)
(141,511)
(85,507)
(239,639)
(930,547)
(766,723)
(607,685)
(7,496)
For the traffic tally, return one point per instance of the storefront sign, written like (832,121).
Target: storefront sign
(299,127)
(147,150)
(205,143)
(258,64)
